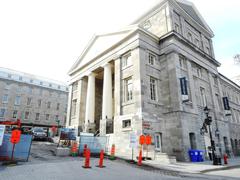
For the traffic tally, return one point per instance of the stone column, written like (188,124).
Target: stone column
(68,122)
(107,97)
(90,103)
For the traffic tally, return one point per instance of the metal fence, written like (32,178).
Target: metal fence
(94,143)
(22,149)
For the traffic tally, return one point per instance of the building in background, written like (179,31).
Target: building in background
(156,77)
(37,101)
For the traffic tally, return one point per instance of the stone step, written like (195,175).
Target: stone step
(161,157)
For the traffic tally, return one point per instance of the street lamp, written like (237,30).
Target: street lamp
(207,122)
(57,121)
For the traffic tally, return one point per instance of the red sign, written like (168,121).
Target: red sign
(16,135)
(142,139)
(148,140)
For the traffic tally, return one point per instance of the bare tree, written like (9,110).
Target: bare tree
(237,59)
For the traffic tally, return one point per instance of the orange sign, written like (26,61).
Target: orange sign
(142,139)
(15,137)
(148,140)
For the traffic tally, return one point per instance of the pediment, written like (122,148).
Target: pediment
(97,45)
(192,11)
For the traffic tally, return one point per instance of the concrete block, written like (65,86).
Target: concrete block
(60,151)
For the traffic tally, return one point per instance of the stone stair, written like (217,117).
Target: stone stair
(162,157)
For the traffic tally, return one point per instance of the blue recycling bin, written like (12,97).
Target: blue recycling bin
(200,156)
(193,154)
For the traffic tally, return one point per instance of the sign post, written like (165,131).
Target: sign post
(133,143)
(2,129)
(15,138)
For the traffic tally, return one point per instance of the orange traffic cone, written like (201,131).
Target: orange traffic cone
(87,159)
(112,155)
(140,158)
(84,150)
(100,164)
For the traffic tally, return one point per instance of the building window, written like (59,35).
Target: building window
(182,62)
(58,106)
(47,116)
(20,78)
(218,102)
(59,87)
(73,109)
(189,37)
(197,43)
(15,114)
(56,117)
(5,98)
(2,113)
(177,28)
(203,97)
(151,59)
(41,83)
(7,86)
(126,60)
(9,76)
(17,100)
(39,103)
(50,85)
(26,115)
(29,100)
(126,123)
(153,89)
(199,72)
(31,81)
(207,50)
(48,105)
(128,89)
(30,90)
(40,92)
(37,116)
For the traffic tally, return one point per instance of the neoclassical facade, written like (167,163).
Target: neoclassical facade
(155,77)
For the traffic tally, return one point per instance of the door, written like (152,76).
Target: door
(158,142)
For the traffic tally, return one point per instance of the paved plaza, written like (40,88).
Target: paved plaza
(43,165)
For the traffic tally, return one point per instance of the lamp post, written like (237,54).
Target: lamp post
(57,121)
(207,122)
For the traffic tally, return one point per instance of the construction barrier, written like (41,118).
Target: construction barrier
(95,144)
(21,151)
(74,150)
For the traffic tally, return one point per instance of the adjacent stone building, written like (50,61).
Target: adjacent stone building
(155,77)
(37,101)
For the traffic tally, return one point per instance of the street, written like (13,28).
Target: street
(43,165)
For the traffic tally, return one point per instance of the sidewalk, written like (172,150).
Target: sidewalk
(193,167)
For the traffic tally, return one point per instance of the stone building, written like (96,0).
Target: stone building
(155,77)
(35,100)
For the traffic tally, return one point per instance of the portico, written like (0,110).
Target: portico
(99,99)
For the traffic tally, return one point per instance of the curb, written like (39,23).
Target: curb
(220,169)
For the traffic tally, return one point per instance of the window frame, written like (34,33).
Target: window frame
(153,88)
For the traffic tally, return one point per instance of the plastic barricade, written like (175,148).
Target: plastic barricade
(22,149)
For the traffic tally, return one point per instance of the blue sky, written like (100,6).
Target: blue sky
(45,37)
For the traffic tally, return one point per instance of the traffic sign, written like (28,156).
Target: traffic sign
(15,137)
(142,139)
(133,140)
(148,140)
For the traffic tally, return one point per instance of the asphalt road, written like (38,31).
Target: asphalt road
(43,165)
